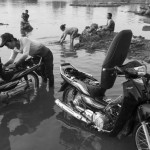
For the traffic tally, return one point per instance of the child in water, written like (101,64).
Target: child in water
(72,31)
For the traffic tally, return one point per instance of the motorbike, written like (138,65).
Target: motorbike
(19,80)
(84,96)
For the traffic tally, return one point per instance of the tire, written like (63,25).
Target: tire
(69,94)
(25,92)
(140,138)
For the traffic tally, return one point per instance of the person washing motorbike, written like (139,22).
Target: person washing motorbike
(28,47)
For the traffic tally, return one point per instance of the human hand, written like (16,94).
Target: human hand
(60,41)
(3,67)
(12,66)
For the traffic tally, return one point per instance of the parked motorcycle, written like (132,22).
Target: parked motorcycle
(21,80)
(84,97)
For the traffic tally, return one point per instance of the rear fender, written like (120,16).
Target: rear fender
(64,85)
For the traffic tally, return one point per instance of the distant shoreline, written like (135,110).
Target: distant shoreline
(99,4)
(121,3)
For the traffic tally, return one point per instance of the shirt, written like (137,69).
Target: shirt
(110,24)
(27,47)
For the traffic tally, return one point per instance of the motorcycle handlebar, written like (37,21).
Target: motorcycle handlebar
(126,71)
(116,69)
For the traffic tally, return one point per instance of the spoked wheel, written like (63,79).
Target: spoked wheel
(26,89)
(140,137)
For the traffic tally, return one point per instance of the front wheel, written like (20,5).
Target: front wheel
(26,89)
(142,134)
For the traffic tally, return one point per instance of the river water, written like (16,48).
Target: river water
(41,125)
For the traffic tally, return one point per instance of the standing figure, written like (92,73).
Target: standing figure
(72,31)
(26,15)
(28,47)
(25,26)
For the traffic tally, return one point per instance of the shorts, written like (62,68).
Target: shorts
(74,34)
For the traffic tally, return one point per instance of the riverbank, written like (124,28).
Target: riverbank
(96,4)
(139,48)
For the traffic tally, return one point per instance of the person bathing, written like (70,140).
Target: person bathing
(72,31)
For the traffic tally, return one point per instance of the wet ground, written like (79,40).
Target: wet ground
(41,124)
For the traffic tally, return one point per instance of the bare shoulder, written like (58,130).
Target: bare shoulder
(24,40)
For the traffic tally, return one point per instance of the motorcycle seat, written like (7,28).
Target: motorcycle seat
(96,91)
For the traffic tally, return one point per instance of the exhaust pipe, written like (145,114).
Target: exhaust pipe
(69,110)
(97,117)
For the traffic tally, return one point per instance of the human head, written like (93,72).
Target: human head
(109,15)
(26,11)
(87,27)
(63,27)
(8,40)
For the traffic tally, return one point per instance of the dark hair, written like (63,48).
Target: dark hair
(87,27)
(63,26)
(15,39)
(110,14)
(6,37)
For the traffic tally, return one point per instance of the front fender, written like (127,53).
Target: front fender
(64,85)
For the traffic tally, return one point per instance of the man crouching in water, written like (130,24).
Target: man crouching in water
(72,31)
(28,47)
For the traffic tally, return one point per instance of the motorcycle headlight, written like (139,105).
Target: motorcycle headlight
(141,70)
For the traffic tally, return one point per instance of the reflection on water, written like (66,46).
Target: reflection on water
(58,4)
(24,1)
(77,136)
(37,125)
(55,13)
(79,139)
(68,52)
(19,119)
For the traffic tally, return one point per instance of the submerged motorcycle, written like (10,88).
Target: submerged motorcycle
(22,79)
(84,97)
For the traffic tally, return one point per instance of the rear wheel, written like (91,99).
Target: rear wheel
(26,89)
(69,94)
(68,98)
(140,137)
